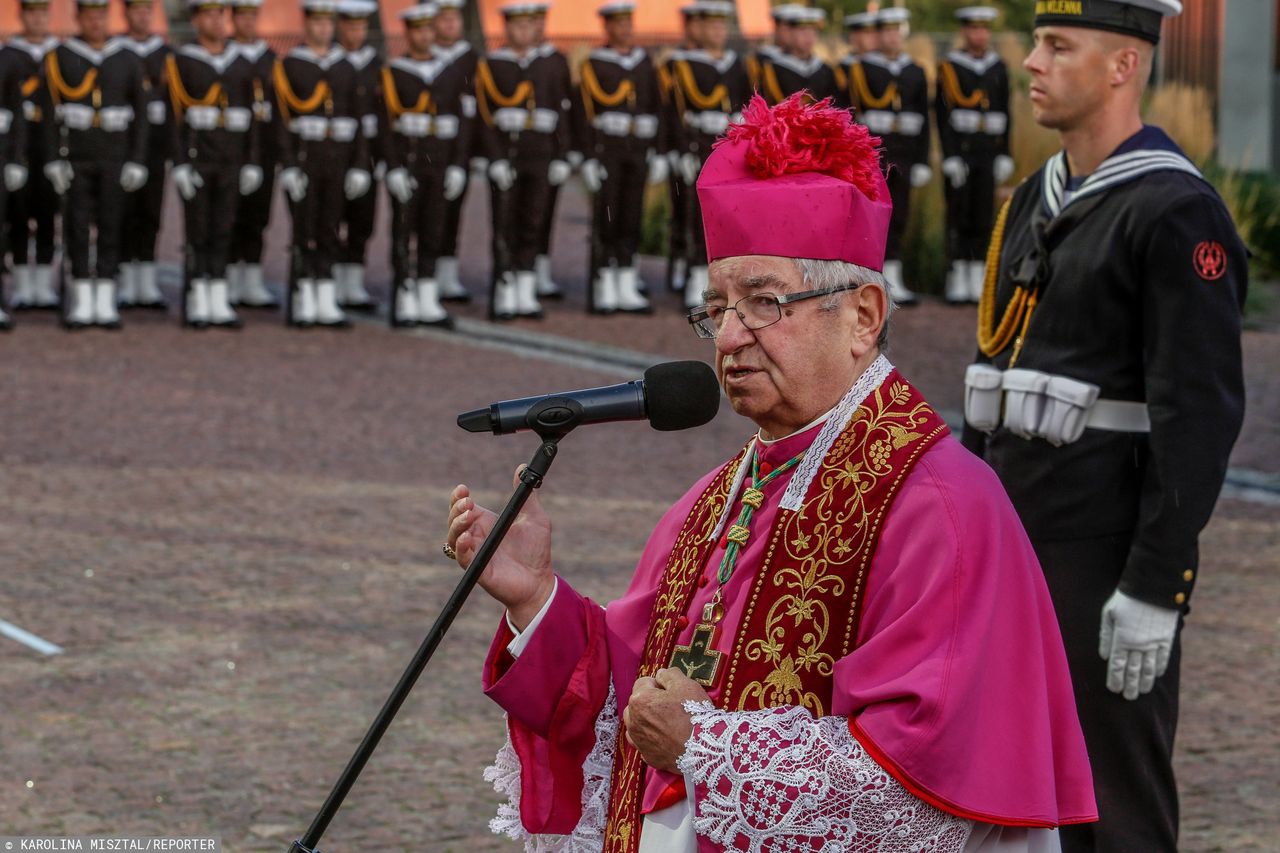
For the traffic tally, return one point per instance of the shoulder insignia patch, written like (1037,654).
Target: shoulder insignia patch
(1210,260)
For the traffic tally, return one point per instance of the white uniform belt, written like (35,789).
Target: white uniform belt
(6,121)
(317,128)
(620,124)
(155,112)
(83,117)
(369,124)
(517,119)
(887,121)
(972,121)
(421,125)
(1034,404)
(262,110)
(710,122)
(234,119)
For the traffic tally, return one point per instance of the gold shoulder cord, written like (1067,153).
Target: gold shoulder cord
(860,90)
(181,98)
(391,95)
(593,93)
(487,93)
(687,88)
(772,89)
(30,85)
(289,101)
(664,81)
(992,339)
(954,96)
(842,82)
(753,71)
(59,89)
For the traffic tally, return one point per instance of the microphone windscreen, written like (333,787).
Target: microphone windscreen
(681,394)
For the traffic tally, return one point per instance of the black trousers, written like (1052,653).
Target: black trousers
(452,219)
(678,224)
(315,218)
(94,203)
(32,208)
(417,228)
(252,214)
(142,210)
(618,210)
(549,221)
(357,219)
(971,211)
(209,218)
(898,178)
(1130,743)
(520,216)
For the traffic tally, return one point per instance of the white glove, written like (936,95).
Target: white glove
(1135,641)
(186,180)
(921,174)
(659,168)
(502,175)
(593,175)
(356,183)
(59,173)
(1002,168)
(133,177)
(455,182)
(294,183)
(401,184)
(956,171)
(558,172)
(15,177)
(250,179)
(690,166)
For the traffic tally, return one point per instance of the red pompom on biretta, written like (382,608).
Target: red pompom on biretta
(801,136)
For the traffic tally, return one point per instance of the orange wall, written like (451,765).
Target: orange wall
(62,17)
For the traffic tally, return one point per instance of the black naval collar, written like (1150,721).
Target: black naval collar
(142,48)
(965,59)
(220,62)
(893,66)
(36,51)
(97,57)
(335,54)
(1149,150)
(629,61)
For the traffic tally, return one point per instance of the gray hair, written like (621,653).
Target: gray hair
(828,275)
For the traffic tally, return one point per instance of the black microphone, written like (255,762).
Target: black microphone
(674,395)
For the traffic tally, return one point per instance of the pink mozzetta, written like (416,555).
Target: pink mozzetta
(799,180)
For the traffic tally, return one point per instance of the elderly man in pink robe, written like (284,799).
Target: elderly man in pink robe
(840,639)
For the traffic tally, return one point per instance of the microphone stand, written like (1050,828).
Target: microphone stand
(530,479)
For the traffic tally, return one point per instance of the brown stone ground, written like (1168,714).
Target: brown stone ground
(235,539)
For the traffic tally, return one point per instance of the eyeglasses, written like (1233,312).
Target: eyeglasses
(755,311)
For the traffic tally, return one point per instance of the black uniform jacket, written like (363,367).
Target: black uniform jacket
(778,75)
(99,102)
(523,104)
(13,121)
(27,60)
(318,109)
(1141,279)
(262,61)
(211,107)
(891,97)
(153,52)
(433,88)
(972,105)
(706,94)
(618,105)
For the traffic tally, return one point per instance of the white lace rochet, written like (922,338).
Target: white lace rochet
(779,781)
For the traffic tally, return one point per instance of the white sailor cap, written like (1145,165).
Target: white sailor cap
(1140,18)
(521,9)
(814,15)
(420,14)
(205,5)
(787,13)
(357,8)
(714,8)
(91,4)
(860,21)
(616,7)
(892,16)
(449,4)
(320,7)
(976,14)
(245,4)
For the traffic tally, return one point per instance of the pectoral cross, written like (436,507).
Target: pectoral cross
(698,660)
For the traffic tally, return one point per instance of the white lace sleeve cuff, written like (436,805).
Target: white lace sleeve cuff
(779,779)
(522,638)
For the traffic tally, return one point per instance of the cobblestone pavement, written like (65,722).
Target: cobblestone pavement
(235,538)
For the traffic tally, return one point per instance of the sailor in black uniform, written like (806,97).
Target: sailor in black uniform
(617,130)
(972,104)
(709,87)
(890,95)
(324,154)
(13,147)
(456,52)
(253,211)
(143,208)
(33,208)
(426,146)
(1109,392)
(523,100)
(791,64)
(94,90)
(214,140)
(545,285)
(678,192)
(860,32)
(358,214)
